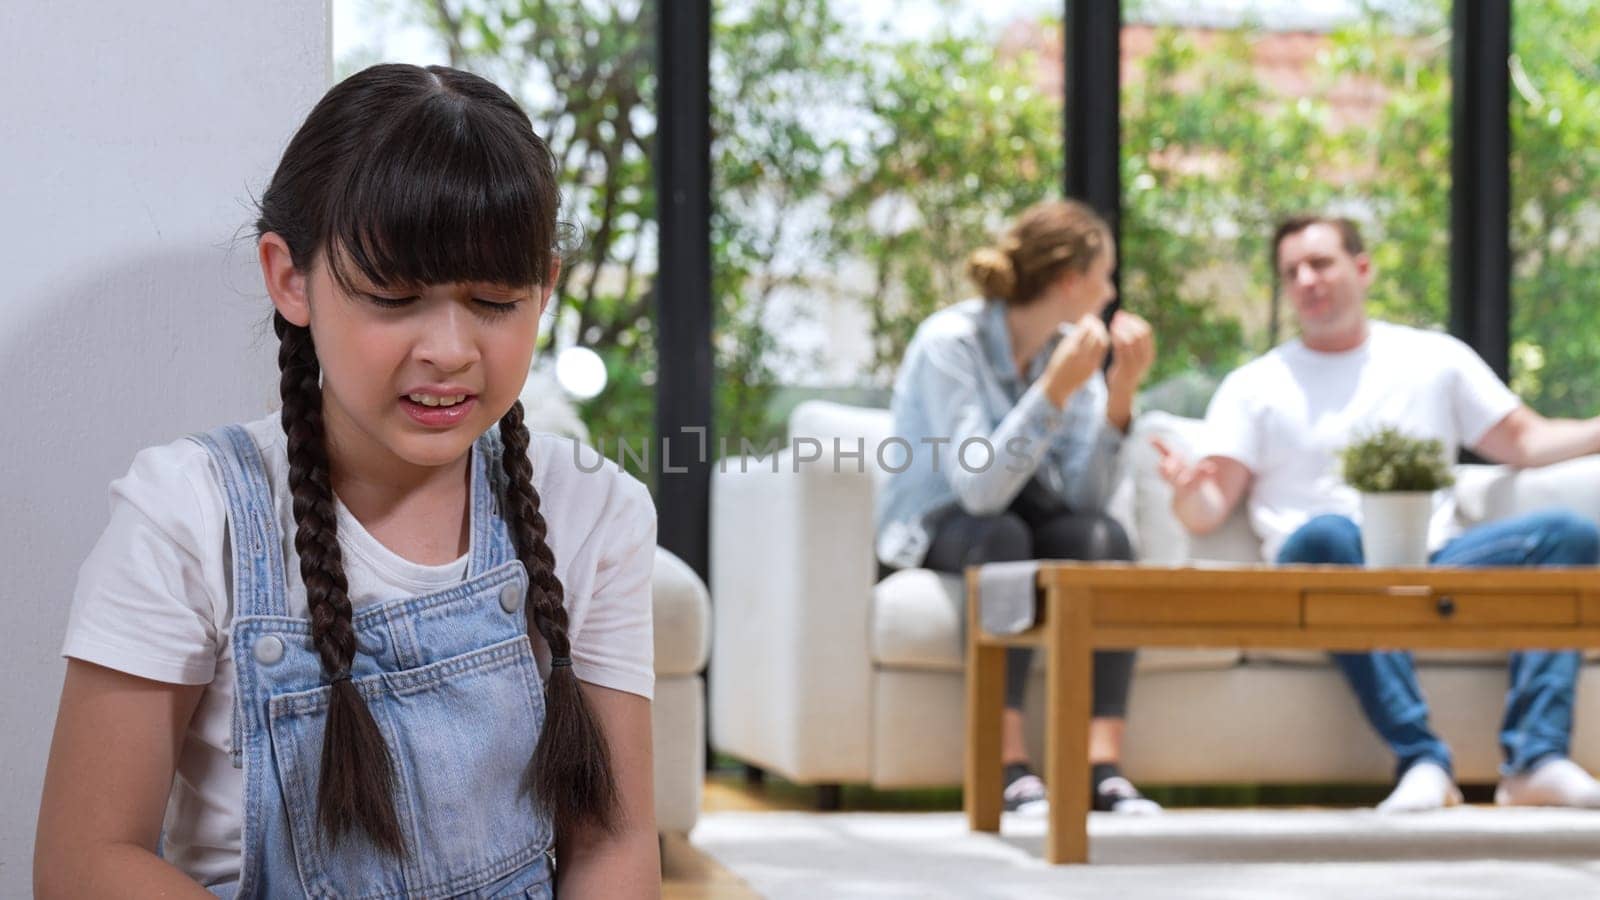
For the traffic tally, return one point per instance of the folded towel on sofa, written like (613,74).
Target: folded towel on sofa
(1008,596)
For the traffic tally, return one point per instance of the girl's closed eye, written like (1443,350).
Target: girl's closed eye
(389,302)
(491,307)
(497,307)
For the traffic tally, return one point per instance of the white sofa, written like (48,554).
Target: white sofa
(823,677)
(678,716)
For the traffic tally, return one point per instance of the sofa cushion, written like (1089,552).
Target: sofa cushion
(917,624)
(682,609)
(916,620)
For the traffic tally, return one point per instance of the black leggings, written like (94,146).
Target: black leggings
(1037,526)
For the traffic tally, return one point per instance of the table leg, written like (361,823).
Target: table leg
(986,676)
(1067,708)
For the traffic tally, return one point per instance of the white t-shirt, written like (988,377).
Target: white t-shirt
(152,599)
(1287,415)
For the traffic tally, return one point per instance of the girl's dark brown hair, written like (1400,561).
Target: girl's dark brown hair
(1047,240)
(418,177)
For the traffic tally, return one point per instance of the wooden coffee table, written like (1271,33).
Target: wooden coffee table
(1090,606)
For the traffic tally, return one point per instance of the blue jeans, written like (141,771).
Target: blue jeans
(1538,714)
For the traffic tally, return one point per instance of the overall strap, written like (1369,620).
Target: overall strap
(259,586)
(491,542)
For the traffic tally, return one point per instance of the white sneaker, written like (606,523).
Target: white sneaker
(1026,795)
(1424,786)
(1118,795)
(1557,782)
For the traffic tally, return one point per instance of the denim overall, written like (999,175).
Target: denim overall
(451,680)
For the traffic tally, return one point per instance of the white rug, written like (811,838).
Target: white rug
(1467,853)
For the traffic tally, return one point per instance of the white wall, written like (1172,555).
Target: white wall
(132,138)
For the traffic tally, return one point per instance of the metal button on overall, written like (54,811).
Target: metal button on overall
(511,597)
(268,650)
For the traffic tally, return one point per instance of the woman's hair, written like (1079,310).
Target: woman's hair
(1048,239)
(417,177)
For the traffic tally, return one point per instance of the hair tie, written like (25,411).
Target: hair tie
(341,675)
(557,662)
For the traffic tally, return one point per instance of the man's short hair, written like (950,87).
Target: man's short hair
(1349,234)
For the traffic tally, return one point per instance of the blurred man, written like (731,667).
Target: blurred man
(1272,435)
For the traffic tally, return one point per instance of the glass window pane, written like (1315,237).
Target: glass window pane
(862,150)
(1237,114)
(1555,221)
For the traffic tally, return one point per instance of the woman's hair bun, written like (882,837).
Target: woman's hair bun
(990,268)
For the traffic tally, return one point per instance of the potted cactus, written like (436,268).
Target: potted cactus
(1397,475)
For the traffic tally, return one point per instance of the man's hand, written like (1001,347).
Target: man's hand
(1133,347)
(1203,492)
(1176,470)
(1076,357)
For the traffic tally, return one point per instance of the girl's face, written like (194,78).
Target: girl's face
(393,360)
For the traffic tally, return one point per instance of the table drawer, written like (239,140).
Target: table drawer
(1423,606)
(1115,606)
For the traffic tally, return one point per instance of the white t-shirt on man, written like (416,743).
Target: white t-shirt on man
(153,599)
(1286,415)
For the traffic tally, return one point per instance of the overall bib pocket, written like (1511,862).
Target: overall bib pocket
(533,883)
(452,727)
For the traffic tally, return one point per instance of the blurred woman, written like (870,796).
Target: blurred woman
(1014,432)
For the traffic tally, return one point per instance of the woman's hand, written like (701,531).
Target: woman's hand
(1076,357)
(1133,348)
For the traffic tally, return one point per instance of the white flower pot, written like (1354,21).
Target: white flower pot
(1394,528)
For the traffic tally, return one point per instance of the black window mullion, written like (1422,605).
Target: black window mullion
(1093,117)
(683,279)
(1480,179)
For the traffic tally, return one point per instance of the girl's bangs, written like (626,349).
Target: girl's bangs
(446,197)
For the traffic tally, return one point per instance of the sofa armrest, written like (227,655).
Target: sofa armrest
(1487,493)
(792,573)
(682,625)
(681,616)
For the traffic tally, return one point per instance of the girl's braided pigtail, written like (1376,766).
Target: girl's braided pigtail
(571,768)
(356,787)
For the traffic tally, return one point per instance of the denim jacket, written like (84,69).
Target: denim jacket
(969,431)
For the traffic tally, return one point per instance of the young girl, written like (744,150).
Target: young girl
(1020,368)
(385,644)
